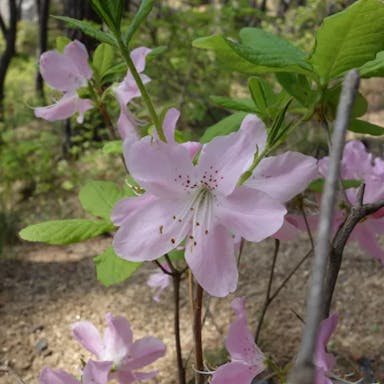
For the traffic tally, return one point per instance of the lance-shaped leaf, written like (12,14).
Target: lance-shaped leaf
(242,105)
(99,197)
(257,52)
(143,11)
(349,39)
(111,269)
(223,127)
(374,68)
(89,29)
(361,126)
(60,232)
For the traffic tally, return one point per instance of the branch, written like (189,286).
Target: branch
(304,370)
(3,27)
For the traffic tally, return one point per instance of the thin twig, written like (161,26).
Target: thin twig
(197,328)
(268,294)
(304,369)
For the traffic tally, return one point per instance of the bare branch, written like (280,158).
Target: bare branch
(304,369)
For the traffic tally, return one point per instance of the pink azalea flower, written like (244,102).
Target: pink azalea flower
(66,72)
(95,372)
(160,281)
(169,128)
(200,203)
(358,164)
(118,348)
(247,360)
(324,361)
(128,90)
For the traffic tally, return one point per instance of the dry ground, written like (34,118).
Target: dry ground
(45,288)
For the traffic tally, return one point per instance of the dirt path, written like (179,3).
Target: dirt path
(45,289)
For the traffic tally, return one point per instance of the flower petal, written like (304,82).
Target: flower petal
(256,126)
(118,339)
(169,124)
(366,237)
(250,213)
(240,343)
(225,158)
(283,176)
(124,207)
(96,372)
(88,336)
(66,107)
(55,376)
(235,372)
(164,170)
(160,281)
(290,229)
(60,72)
(145,351)
(153,230)
(126,124)
(322,359)
(138,56)
(77,52)
(211,257)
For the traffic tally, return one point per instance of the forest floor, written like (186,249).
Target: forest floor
(46,288)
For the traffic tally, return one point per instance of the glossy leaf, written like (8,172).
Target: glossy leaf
(257,52)
(349,39)
(361,126)
(111,269)
(99,197)
(65,231)
(223,127)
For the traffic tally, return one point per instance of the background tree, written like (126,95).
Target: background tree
(9,34)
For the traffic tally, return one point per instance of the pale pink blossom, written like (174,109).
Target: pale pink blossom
(160,281)
(197,202)
(247,360)
(95,372)
(323,360)
(358,164)
(128,90)
(66,72)
(117,347)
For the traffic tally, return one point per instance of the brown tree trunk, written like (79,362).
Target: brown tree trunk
(9,33)
(43,13)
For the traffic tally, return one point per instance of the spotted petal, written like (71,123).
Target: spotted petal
(212,260)
(225,158)
(153,230)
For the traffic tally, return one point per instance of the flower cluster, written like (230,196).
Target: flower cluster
(119,357)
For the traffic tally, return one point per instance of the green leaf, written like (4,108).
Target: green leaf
(65,231)
(103,59)
(223,127)
(318,184)
(89,29)
(103,9)
(332,97)
(143,11)
(111,269)
(244,105)
(297,85)
(62,42)
(258,52)
(349,39)
(374,68)
(261,92)
(361,126)
(99,197)
(113,147)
